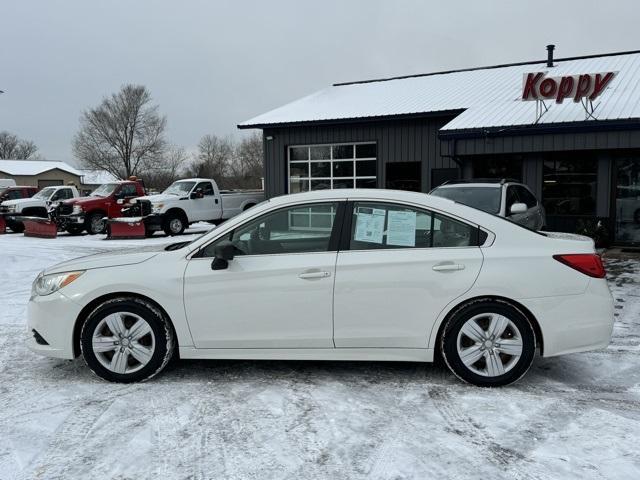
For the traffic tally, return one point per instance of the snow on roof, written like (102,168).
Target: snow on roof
(97,177)
(34,167)
(490,96)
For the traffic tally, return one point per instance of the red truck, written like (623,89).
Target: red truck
(89,213)
(16,193)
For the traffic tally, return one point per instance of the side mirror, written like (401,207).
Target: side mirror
(197,194)
(224,253)
(120,201)
(518,208)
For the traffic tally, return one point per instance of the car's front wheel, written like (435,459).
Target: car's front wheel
(127,340)
(488,343)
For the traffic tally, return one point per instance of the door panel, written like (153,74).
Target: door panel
(391,298)
(264,301)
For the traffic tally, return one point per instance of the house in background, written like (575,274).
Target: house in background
(46,173)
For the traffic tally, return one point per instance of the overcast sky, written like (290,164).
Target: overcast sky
(212,64)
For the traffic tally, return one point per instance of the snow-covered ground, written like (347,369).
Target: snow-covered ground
(572,417)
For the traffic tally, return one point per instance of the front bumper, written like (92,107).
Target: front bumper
(53,318)
(575,323)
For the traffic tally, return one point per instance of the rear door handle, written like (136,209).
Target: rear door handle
(312,275)
(448,267)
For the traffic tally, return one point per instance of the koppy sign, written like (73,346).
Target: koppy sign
(537,86)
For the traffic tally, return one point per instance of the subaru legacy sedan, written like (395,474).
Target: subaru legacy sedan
(332,275)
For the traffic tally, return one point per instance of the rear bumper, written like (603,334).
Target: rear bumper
(575,323)
(53,318)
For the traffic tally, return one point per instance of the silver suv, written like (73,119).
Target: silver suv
(503,197)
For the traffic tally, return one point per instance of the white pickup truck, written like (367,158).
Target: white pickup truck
(36,206)
(192,200)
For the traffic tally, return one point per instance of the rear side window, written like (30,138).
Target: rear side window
(381,225)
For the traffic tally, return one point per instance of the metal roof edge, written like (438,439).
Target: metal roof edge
(334,121)
(488,67)
(539,129)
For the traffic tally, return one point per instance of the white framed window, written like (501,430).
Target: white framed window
(329,166)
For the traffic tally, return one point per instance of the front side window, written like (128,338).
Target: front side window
(569,185)
(128,190)
(380,225)
(299,229)
(526,196)
(324,167)
(206,187)
(14,195)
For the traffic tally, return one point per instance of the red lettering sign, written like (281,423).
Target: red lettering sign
(537,86)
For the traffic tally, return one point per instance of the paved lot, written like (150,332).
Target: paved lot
(571,417)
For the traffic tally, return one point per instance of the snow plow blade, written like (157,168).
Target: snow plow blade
(125,228)
(39,227)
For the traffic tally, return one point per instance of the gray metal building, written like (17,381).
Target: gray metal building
(572,133)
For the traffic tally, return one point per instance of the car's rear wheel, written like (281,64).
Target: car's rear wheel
(127,340)
(488,343)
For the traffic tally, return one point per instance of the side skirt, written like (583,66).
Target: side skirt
(347,354)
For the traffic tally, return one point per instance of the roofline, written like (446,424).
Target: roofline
(334,121)
(539,129)
(489,67)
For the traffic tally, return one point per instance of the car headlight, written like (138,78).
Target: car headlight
(77,209)
(48,284)
(156,207)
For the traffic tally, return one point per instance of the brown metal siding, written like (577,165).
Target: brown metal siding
(398,141)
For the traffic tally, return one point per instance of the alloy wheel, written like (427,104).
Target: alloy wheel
(123,342)
(489,344)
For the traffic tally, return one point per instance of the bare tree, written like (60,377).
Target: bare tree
(122,134)
(213,158)
(246,168)
(167,170)
(12,147)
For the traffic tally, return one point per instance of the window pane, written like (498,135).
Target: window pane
(299,169)
(290,230)
(297,185)
(321,169)
(343,169)
(342,151)
(448,232)
(569,186)
(299,153)
(367,150)
(342,183)
(501,166)
(320,153)
(366,183)
(320,184)
(366,168)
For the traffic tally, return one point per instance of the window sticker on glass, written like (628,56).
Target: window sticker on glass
(401,229)
(369,224)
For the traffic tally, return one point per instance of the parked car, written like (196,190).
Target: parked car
(89,213)
(34,206)
(505,198)
(16,192)
(333,275)
(193,200)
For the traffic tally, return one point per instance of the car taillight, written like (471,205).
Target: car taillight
(587,263)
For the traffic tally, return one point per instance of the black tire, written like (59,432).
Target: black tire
(519,328)
(75,230)
(148,232)
(92,224)
(16,227)
(163,336)
(174,224)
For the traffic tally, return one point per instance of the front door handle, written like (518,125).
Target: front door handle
(314,274)
(448,267)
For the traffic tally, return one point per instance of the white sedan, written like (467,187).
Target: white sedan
(333,275)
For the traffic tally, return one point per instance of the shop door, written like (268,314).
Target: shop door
(627,201)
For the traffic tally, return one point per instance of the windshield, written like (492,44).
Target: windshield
(179,188)
(45,193)
(486,199)
(104,190)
